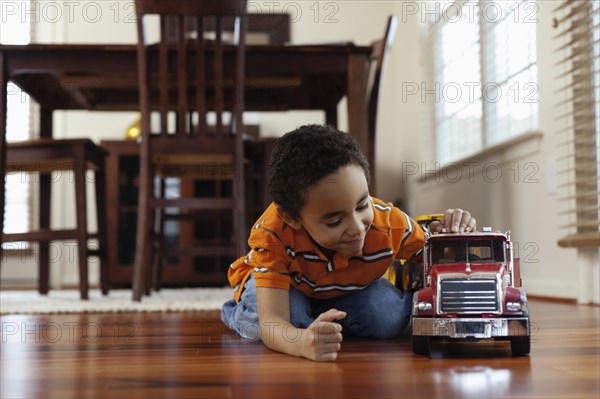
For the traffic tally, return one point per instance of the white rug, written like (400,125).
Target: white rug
(67,301)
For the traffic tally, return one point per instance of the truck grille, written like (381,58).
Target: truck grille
(469,296)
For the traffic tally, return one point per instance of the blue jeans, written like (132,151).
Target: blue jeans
(379,311)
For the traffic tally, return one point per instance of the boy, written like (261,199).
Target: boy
(320,249)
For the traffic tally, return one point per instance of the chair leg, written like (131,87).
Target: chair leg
(331,117)
(143,232)
(151,251)
(82,235)
(239,217)
(157,249)
(141,249)
(44,246)
(156,270)
(268,145)
(100,186)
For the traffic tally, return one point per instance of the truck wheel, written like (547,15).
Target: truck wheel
(520,346)
(421,345)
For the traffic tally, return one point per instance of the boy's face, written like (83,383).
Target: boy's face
(338,211)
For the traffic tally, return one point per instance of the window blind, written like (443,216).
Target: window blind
(578,46)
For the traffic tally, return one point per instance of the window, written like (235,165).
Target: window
(17,215)
(484,67)
(453,251)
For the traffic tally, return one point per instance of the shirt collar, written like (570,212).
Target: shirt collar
(338,260)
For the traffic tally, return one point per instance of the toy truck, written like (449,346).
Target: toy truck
(471,291)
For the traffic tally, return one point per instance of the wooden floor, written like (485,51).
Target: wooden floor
(193,355)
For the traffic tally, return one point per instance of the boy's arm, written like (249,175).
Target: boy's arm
(320,341)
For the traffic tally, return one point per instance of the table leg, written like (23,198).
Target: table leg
(45,196)
(79,170)
(101,217)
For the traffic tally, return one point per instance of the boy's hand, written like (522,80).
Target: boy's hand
(323,337)
(454,221)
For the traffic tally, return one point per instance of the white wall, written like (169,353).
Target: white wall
(525,206)
(325,22)
(74,22)
(522,200)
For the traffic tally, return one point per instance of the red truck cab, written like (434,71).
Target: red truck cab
(471,291)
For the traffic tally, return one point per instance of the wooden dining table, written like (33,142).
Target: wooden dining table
(279,77)
(104,78)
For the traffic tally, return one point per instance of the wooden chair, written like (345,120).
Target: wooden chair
(379,55)
(45,156)
(189,73)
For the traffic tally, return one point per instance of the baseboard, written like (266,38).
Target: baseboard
(28,286)
(546,298)
(550,288)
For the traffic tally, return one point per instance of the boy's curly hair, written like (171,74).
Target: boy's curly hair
(306,155)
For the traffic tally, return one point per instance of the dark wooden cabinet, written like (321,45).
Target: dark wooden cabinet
(122,170)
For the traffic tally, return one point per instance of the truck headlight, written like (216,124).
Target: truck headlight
(421,306)
(514,306)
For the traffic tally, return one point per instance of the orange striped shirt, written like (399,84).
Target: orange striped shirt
(281,256)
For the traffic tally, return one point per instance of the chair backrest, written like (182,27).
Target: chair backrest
(378,58)
(193,71)
(189,72)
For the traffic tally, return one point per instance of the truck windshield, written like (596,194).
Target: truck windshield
(479,250)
